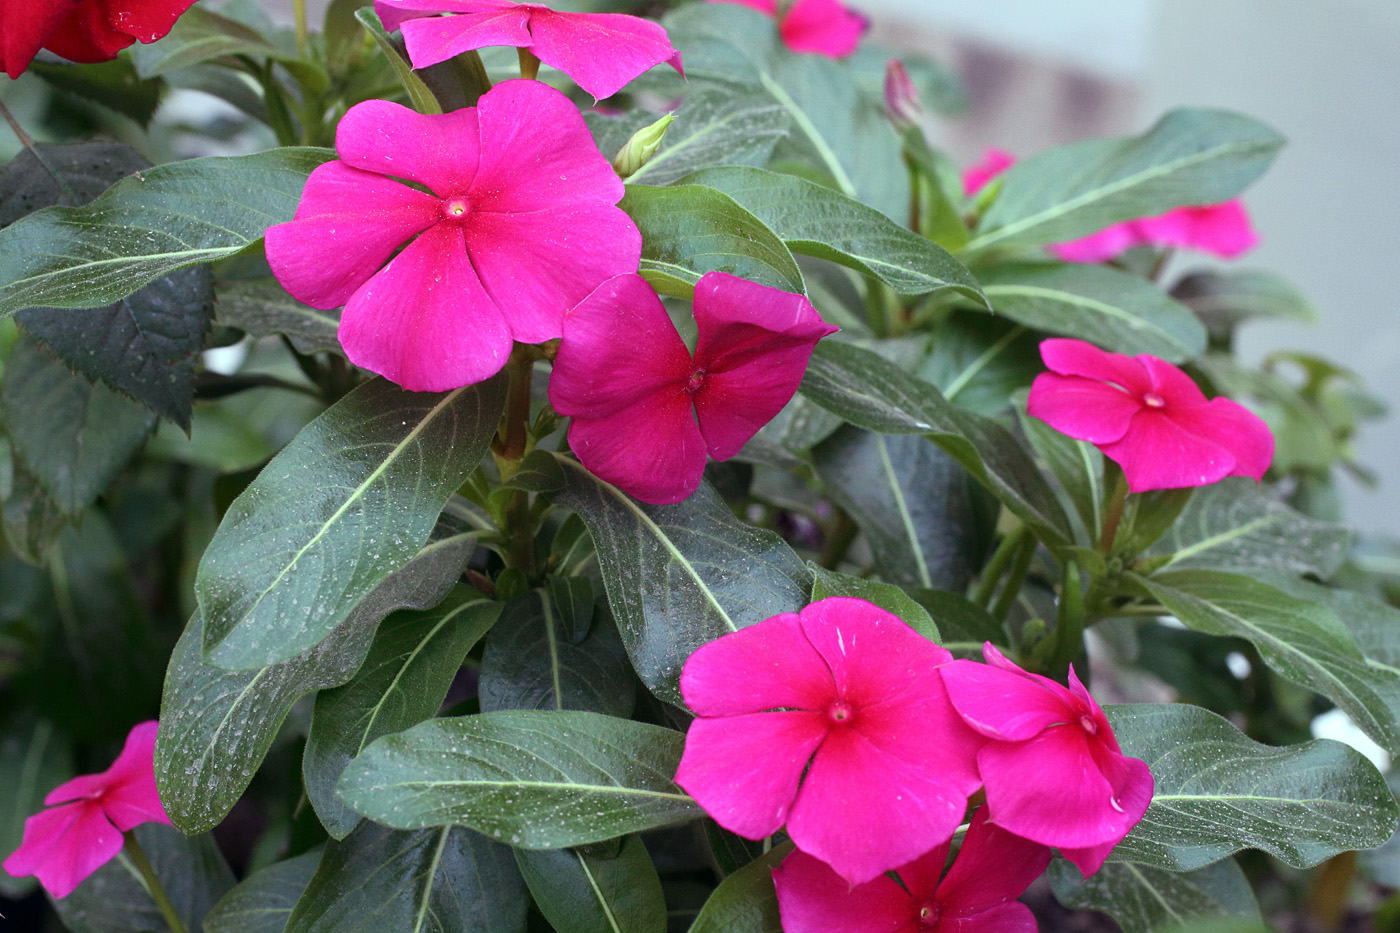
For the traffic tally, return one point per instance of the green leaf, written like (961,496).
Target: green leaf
(262,902)
(201,35)
(531,662)
(1077,465)
(887,596)
(174,215)
(403,681)
(72,436)
(114,84)
(34,759)
(347,502)
(86,170)
(909,498)
(432,881)
(1236,525)
(1218,791)
(745,902)
(114,898)
(1144,899)
(1301,640)
(1115,310)
(815,221)
(678,576)
(32,518)
(963,624)
(583,893)
(422,99)
(535,779)
(688,230)
(1190,156)
(877,395)
(217,725)
(262,307)
(1225,299)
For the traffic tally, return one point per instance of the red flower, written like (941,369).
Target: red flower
(1052,769)
(835,721)
(994,162)
(636,393)
(818,27)
(81,31)
(1148,417)
(978,895)
(65,844)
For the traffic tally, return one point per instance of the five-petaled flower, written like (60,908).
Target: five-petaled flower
(1148,417)
(818,27)
(518,224)
(636,393)
(82,829)
(80,30)
(835,721)
(600,51)
(977,895)
(1052,768)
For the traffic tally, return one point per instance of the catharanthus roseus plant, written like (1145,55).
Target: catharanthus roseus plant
(704,511)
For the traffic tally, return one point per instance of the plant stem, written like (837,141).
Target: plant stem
(529,64)
(997,565)
(1020,566)
(299,11)
(153,885)
(1113,512)
(513,435)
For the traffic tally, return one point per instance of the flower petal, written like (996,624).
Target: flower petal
(393,12)
(1099,247)
(1177,389)
(976,177)
(1222,229)
(743,770)
(822,27)
(28,26)
(992,867)
(1237,429)
(437,38)
(436,150)
(64,845)
(763,6)
(1014,917)
(424,321)
(1002,705)
(1070,357)
(127,790)
(814,899)
(651,450)
(1085,409)
(88,34)
(147,20)
(1089,859)
(348,224)
(602,52)
(922,875)
(1157,452)
(766,666)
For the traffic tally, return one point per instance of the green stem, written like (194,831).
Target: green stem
(838,540)
(1113,511)
(513,436)
(1020,566)
(299,12)
(529,64)
(1069,624)
(153,885)
(998,564)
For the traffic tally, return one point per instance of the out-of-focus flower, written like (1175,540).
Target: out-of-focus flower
(80,30)
(818,27)
(901,96)
(994,161)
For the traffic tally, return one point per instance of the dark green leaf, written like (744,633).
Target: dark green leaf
(403,681)
(1077,465)
(432,881)
(34,759)
(1187,157)
(1218,791)
(347,502)
(980,361)
(745,901)
(262,307)
(885,595)
(689,230)
(582,893)
(174,215)
(1226,299)
(201,35)
(217,725)
(262,902)
(963,624)
(573,605)
(1115,310)
(115,85)
(816,221)
(1144,899)
(877,395)
(681,575)
(786,440)
(33,519)
(86,169)
(536,779)
(422,99)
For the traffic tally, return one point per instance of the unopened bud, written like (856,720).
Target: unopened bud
(641,147)
(901,96)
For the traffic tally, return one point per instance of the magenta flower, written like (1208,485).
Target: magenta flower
(994,162)
(518,224)
(978,894)
(1148,417)
(1222,230)
(82,830)
(600,51)
(835,721)
(636,393)
(1052,770)
(901,96)
(818,27)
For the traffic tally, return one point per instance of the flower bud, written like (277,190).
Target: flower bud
(901,96)
(641,147)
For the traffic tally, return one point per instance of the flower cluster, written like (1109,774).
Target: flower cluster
(80,30)
(814,27)
(867,741)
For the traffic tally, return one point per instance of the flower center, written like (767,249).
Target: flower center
(1086,722)
(697,379)
(840,712)
(1153,400)
(928,915)
(456,208)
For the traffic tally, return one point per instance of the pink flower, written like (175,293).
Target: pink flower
(600,51)
(518,224)
(80,30)
(68,842)
(994,162)
(978,895)
(819,27)
(636,393)
(846,701)
(1148,417)
(1052,769)
(901,96)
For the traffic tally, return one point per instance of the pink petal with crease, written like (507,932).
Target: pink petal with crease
(1158,453)
(1089,859)
(993,867)
(1223,229)
(1085,409)
(874,656)
(435,150)
(1099,247)
(822,27)
(602,52)
(1014,917)
(1070,357)
(1003,705)
(435,39)
(651,450)
(64,845)
(1229,424)
(766,666)
(393,12)
(1175,387)
(814,899)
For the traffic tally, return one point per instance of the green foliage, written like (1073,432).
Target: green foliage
(582,892)
(1144,899)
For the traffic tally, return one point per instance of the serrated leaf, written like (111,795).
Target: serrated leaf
(1218,792)
(86,170)
(217,725)
(534,779)
(816,221)
(583,893)
(1115,310)
(263,901)
(877,395)
(262,307)
(885,595)
(678,576)
(745,902)
(1144,899)
(175,215)
(403,681)
(346,503)
(1190,156)
(34,759)
(688,230)
(432,881)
